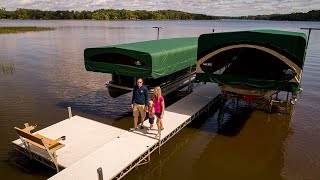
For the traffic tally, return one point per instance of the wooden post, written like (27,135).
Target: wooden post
(26,125)
(70,112)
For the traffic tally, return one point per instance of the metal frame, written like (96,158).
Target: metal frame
(289,103)
(145,157)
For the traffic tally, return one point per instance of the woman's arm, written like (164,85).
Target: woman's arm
(162,108)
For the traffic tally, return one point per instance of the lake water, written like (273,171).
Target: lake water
(48,75)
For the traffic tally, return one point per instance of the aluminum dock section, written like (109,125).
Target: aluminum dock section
(83,136)
(101,151)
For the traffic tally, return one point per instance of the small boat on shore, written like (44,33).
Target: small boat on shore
(168,63)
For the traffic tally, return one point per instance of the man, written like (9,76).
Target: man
(139,103)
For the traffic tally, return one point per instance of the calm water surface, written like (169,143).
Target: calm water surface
(48,75)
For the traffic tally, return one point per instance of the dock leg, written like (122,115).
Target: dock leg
(54,155)
(27,146)
(159,132)
(100,175)
(70,112)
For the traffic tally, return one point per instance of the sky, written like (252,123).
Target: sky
(209,7)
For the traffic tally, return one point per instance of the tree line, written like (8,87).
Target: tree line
(113,14)
(313,15)
(101,14)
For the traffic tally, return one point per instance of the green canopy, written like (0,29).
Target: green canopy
(264,59)
(156,58)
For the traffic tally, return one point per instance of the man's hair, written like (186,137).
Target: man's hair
(139,79)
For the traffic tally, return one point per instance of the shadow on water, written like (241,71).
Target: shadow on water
(228,117)
(225,143)
(99,104)
(247,143)
(231,118)
(27,166)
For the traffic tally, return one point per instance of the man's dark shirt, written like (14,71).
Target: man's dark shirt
(140,95)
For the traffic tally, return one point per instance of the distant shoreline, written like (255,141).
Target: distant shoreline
(123,14)
(20,29)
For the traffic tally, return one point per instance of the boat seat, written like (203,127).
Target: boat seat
(40,141)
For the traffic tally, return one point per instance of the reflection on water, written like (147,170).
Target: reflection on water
(7,68)
(48,75)
(232,116)
(241,144)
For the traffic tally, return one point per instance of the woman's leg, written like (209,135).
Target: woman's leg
(158,122)
(161,124)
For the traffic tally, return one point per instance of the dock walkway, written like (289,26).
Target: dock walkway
(92,147)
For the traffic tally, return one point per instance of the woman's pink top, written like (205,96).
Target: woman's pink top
(157,104)
(151,112)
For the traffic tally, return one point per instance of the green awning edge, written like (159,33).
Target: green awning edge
(161,57)
(253,83)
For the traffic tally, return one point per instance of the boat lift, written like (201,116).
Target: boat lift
(268,94)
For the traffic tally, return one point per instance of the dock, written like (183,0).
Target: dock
(94,150)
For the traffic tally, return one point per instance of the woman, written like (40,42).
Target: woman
(158,102)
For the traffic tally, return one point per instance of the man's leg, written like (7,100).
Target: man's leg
(142,114)
(135,116)
(142,120)
(135,121)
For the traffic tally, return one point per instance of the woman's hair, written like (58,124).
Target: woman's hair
(158,92)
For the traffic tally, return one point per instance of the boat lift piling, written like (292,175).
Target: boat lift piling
(309,33)
(158,27)
(69,112)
